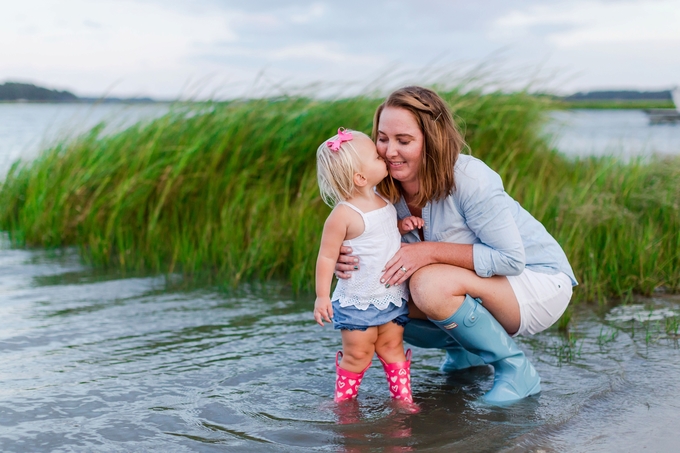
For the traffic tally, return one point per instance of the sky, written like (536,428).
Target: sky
(220,48)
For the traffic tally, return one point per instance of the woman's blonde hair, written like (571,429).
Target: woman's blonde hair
(335,170)
(442,144)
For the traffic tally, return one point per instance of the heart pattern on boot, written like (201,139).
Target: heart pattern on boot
(399,378)
(346,382)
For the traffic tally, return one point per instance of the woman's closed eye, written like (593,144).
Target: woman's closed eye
(401,142)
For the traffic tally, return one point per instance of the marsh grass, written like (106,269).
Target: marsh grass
(607,336)
(671,326)
(228,191)
(566,347)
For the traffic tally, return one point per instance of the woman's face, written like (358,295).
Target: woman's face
(400,143)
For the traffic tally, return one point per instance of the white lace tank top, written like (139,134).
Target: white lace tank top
(374,248)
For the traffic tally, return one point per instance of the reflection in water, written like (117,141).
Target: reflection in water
(391,432)
(100,361)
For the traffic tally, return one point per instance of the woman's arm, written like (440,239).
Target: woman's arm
(334,232)
(487,212)
(414,256)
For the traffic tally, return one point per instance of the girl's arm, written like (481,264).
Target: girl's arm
(334,232)
(409,224)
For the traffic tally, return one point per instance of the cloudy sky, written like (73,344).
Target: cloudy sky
(223,48)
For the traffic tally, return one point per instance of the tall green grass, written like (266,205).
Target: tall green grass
(229,190)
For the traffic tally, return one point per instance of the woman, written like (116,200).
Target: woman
(478,246)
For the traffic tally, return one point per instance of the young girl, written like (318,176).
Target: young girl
(370,315)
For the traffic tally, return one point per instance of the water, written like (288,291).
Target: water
(621,133)
(94,360)
(25,129)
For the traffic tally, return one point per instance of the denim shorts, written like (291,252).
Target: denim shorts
(351,318)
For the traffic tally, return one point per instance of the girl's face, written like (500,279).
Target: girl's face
(400,143)
(372,165)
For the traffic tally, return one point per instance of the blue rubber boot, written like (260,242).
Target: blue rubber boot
(425,334)
(479,332)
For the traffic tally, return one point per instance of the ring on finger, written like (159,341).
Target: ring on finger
(403,269)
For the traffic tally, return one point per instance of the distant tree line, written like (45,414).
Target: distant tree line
(13,91)
(620,95)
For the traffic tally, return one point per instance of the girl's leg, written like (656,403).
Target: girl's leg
(397,365)
(389,343)
(350,366)
(358,347)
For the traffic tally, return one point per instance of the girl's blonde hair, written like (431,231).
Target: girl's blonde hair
(335,170)
(442,143)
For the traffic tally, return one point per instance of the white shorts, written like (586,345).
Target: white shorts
(542,299)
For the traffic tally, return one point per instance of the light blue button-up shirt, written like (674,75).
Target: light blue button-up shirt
(505,238)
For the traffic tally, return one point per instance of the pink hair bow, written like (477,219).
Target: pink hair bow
(343,136)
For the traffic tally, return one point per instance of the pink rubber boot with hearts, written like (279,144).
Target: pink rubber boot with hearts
(399,378)
(346,382)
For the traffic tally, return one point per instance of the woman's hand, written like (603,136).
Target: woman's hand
(346,263)
(406,261)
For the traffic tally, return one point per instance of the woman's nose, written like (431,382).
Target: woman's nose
(390,150)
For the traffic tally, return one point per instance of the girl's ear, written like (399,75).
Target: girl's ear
(360,180)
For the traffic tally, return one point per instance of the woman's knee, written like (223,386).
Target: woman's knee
(435,281)
(437,290)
